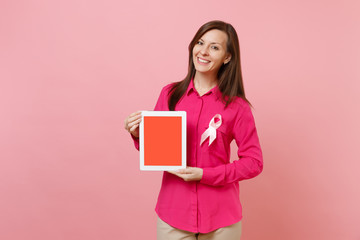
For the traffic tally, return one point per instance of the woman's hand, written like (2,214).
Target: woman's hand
(132,123)
(189,173)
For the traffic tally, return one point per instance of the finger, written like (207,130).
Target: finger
(133,128)
(186,171)
(183,176)
(135,116)
(178,171)
(135,113)
(130,125)
(134,119)
(187,178)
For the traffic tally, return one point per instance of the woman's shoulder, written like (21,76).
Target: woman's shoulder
(239,104)
(162,103)
(240,110)
(168,88)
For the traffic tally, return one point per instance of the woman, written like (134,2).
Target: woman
(202,201)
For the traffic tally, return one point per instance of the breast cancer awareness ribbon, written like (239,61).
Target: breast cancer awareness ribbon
(211,131)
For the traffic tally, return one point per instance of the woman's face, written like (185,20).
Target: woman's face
(210,52)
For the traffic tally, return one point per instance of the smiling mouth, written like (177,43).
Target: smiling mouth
(202,60)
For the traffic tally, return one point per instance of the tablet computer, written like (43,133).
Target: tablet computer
(162,140)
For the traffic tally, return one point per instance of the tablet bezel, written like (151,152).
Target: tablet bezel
(142,149)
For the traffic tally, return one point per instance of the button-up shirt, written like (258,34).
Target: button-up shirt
(213,202)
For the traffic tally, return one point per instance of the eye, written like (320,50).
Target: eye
(215,47)
(200,42)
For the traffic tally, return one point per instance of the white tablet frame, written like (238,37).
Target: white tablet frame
(181,114)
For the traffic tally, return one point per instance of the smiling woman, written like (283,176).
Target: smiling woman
(202,201)
(210,53)
(222,37)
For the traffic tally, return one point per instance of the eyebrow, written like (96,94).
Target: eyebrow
(211,42)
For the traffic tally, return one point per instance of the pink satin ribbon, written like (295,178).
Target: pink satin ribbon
(211,131)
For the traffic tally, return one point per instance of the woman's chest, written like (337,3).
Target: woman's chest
(207,113)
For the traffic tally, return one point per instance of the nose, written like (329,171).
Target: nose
(204,50)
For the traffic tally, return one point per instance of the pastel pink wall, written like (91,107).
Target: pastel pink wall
(70,71)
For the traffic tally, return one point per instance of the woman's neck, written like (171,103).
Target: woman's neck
(204,83)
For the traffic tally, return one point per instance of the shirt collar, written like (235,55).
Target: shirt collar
(215,90)
(191,87)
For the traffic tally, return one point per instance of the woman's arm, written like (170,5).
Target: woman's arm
(250,162)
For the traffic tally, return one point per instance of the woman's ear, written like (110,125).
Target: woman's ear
(227,59)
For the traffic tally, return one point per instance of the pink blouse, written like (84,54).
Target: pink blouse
(213,202)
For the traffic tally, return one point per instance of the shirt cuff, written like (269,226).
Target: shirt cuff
(136,141)
(213,176)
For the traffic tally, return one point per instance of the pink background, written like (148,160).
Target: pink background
(71,71)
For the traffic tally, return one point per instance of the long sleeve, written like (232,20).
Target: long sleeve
(250,162)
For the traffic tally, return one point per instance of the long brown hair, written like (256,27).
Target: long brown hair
(230,81)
